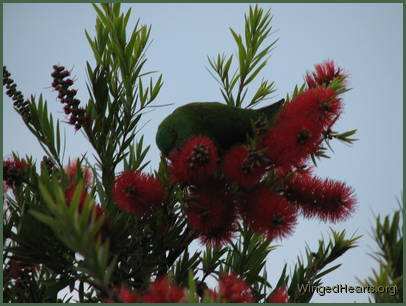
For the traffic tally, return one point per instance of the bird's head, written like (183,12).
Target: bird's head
(166,138)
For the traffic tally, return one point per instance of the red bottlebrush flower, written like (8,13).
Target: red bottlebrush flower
(212,214)
(279,295)
(269,213)
(324,74)
(232,289)
(195,161)
(160,291)
(318,104)
(123,295)
(299,128)
(244,167)
(14,172)
(137,193)
(292,141)
(85,171)
(326,199)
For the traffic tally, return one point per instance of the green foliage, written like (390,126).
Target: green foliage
(79,230)
(247,257)
(252,58)
(311,271)
(118,96)
(388,234)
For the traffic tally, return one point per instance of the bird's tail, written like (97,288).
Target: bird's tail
(271,110)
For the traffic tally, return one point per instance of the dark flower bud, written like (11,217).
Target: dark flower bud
(26,118)
(64,74)
(71,93)
(68,82)
(6,74)
(8,81)
(58,68)
(12,86)
(67,109)
(47,164)
(78,112)
(55,74)
(61,94)
(75,102)
(10,92)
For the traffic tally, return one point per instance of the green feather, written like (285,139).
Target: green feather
(225,125)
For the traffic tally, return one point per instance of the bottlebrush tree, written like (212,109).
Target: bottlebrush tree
(388,234)
(231,176)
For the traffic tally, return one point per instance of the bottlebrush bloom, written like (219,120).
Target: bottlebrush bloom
(21,106)
(244,167)
(86,172)
(160,291)
(123,295)
(195,161)
(14,172)
(320,105)
(292,141)
(326,199)
(324,74)
(279,295)
(232,289)
(66,95)
(269,213)
(212,214)
(137,193)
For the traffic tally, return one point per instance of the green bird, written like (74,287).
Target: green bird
(224,124)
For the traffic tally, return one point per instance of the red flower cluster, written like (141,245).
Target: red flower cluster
(299,128)
(244,167)
(161,291)
(232,289)
(269,213)
(137,193)
(326,199)
(14,172)
(195,162)
(279,295)
(324,74)
(247,180)
(211,213)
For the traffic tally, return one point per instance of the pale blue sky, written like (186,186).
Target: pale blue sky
(365,39)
